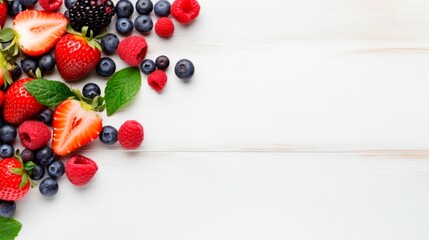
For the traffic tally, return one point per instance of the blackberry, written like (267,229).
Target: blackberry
(96,14)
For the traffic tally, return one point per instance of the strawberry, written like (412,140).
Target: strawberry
(75,124)
(77,55)
(51,5)
(39,31)
(14,179)
(3,12)
(19,105)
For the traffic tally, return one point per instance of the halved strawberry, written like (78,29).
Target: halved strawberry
(75,124)
(39,31)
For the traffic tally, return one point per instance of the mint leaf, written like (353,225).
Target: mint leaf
(6,34)
(9,228)
(121,88)
(49,92)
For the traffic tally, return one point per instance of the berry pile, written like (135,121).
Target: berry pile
(48,118)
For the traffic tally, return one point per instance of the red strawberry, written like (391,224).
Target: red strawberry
(80,170)
(39,31)
(75,124)
(51,5)
(76,56)
(14,181)
(19,105)
(3,12)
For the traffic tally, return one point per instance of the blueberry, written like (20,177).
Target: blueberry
(7,208)
(46,116)
(7,133)
(143,23)
(109,43)
(91,90)
(16,72)
(46,63)
(29,65)
(15,7)
(27,155)
(184,69)
(124,9)
(48,187)
(108,135)
(67,14)
(144,6)
(105,67)
(45,156)
(124,26)
(28,3)
(69,3)
(162,62)
(37,172)
(162,8)
(147,66)
(6,150)
(56,169)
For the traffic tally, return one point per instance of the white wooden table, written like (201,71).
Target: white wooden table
(305,120)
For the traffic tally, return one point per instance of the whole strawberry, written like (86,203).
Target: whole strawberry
(3,12)
(14,180)
(19,105)
(76,55)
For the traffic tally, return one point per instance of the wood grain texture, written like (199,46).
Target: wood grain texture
(239,196)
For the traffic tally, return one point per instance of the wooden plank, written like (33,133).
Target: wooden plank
(238,196)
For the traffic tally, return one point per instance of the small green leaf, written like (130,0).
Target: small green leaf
(9,228)
(121,88)
(17,171)
(49,92)
(28,166)
(6,35)
(24,180)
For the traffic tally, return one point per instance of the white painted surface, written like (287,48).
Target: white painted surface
(305,120)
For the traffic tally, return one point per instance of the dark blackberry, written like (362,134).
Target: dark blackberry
(96,14)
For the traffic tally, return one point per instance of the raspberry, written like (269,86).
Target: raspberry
(131,134)
(51,5)
(184,11)
(157,80)
(164,27)
(34,134)
(132,50)
(80,170)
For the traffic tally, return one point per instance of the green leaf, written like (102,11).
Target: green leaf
(121,88)
(28,166)
(49,92)
(24,180)
(6,35)
(9,228)
(17,171)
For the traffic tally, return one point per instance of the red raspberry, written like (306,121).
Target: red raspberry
(51,5)
(164,27)
(131,134)
(184,11)
(80,170)
(132,50)
(157,80)
(34,134)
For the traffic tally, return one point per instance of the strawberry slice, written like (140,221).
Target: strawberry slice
(74,125)
(39,31)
